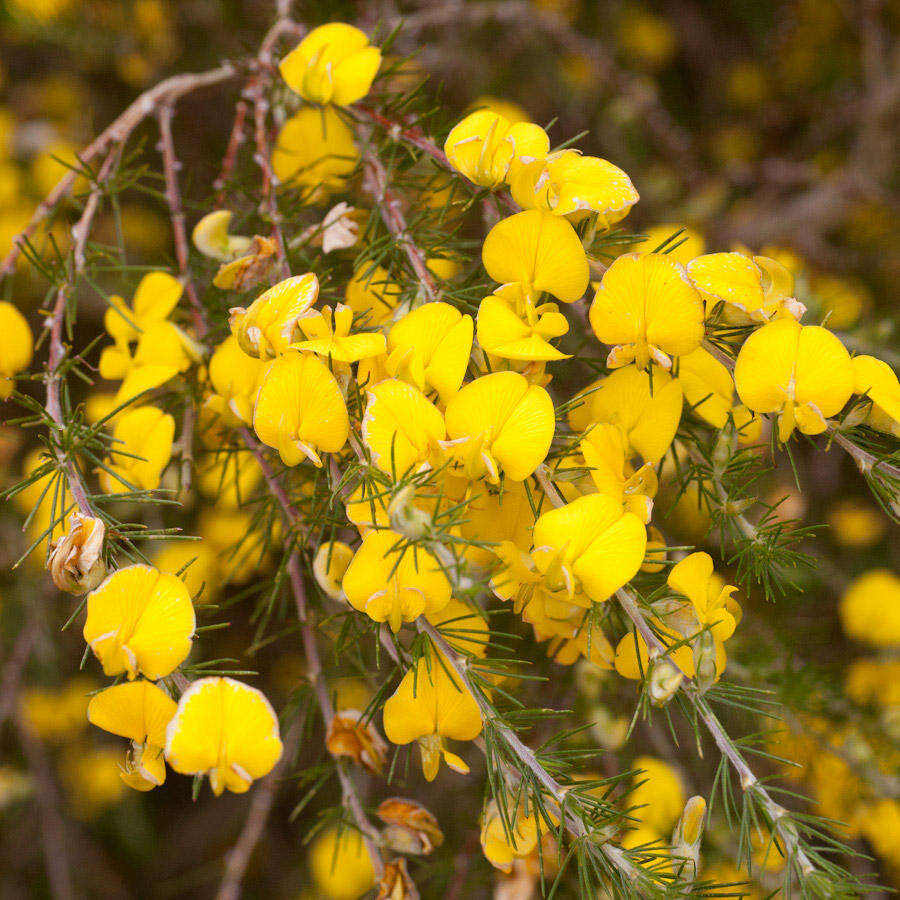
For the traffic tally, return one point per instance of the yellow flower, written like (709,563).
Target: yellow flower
(708,389)
(212,239)
(870,609)
(645,405)
(228,478)
(141,449)
(842,300)
(429,706)
(876,379)
(196,563)
(506,108)
(500,422)
(57,714)
(856,524)
(494,517)
(315,153)
(696,629)
(647,309)
(269,326)
(392,583)
(16,346)
(464,630)
(539,251)
(236,378)
(509,327)
(139,711)
(756,288)
(485,145)
(801,373)
(569,184)
(401,427)
(300,410)
(139,620)
(226,730)
(340,864)
(687,246)
(154,299)
(330,565)
(329,335)
(429,347)
(334,63)
(91,778)
(658,792)
(589,546)
(605,451)
(372,295)
(500,845)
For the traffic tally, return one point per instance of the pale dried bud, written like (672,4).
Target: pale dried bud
(75,563)
(406,518)
(248,271)
(396,883)
(410,827)
(665,679)
(349,736)
(339,228)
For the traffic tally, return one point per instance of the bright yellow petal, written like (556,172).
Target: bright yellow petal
(824,372)
(540,251)
(137,710)
(155,297)
(765,365)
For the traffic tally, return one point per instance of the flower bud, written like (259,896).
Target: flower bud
(665,679)
(705,661)
(75,563)
(410,827)
(687,835)
(349,735)
(406,518)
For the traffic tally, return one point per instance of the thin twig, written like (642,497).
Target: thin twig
(171,165)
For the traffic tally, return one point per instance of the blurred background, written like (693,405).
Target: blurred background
(768,125)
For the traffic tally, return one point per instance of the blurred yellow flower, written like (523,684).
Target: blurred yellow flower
(16,346)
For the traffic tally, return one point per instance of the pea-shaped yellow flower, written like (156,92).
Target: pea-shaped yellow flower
(156,296)
(502,847)
(646,406)
(485,145)
(235,378)
(401,427)
(590,545)
(539,251)
(224,729)
(647,309)
(801,373)
(392,583)
(315,154)
(334,63)
(497,423)
(139,620)
(139,711)
(141,450)
(372,295)
(16,346)
(300,410)
(429,706)
(340,864)
(328,335)
(753,289)
(211,237)
(509,329)
(712,601)
(605,451)
(430,346)
(878,382)
(268,327)
(576,186)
